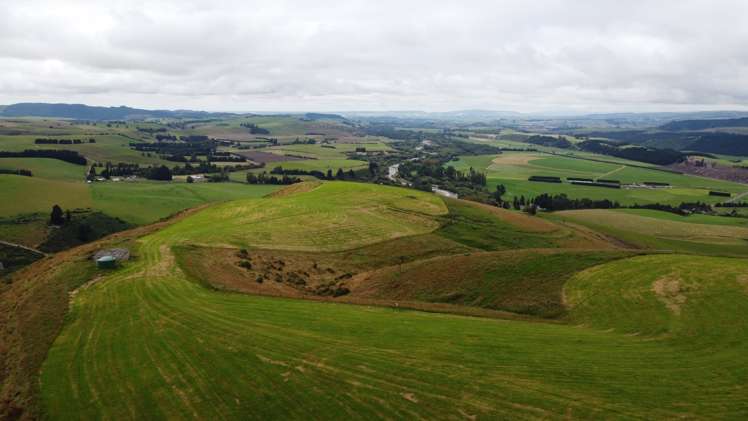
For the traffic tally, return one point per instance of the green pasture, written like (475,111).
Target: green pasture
(514,168)
(693,219)
(657,230)
(52,169)
(332,216)
(110,147)
(146,202)
(22,195)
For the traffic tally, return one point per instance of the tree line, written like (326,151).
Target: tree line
(634,153)
(48,141)
(339,175)
(265,178)
(23,172)
(255,129)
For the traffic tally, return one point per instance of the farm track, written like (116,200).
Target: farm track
(33,250)
(737,198)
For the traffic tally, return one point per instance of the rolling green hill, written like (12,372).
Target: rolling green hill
(657,336)
(332,216)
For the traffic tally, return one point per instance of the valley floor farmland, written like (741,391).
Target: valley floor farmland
(146,341)
(514,168)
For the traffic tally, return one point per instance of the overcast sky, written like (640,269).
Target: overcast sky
(529,55)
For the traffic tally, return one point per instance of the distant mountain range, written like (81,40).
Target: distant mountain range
(705,124)
(87,112)
(460,115)
(702,119)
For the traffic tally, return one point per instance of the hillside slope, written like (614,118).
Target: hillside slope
(619,336)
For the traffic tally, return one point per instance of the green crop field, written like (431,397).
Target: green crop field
(642,337)
(513,169)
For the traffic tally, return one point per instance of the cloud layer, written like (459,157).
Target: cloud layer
(543,55)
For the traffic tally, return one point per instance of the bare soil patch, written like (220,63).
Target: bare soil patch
(514,159)
(693,166)
(669,291)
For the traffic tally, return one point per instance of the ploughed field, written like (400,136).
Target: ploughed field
(577,325)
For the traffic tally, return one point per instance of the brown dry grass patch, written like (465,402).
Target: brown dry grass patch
(296,188)
(669,291)
(514,159)
(523,222)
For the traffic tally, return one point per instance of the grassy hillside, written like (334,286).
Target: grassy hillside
(691,300)
(647,336)
(525,281)
(332,216)
(654,230)
(201,353)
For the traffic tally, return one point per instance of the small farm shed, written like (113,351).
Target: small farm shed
(108,258)
(106,262)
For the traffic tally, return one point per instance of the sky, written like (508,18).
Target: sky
(431,55)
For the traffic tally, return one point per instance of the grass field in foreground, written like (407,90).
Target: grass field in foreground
(144,342)
(513,169)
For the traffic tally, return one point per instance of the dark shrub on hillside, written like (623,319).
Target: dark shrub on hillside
(555,142)
(719,193)
(634,153)
(544,179)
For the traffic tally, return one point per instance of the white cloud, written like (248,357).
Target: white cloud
(538,55)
